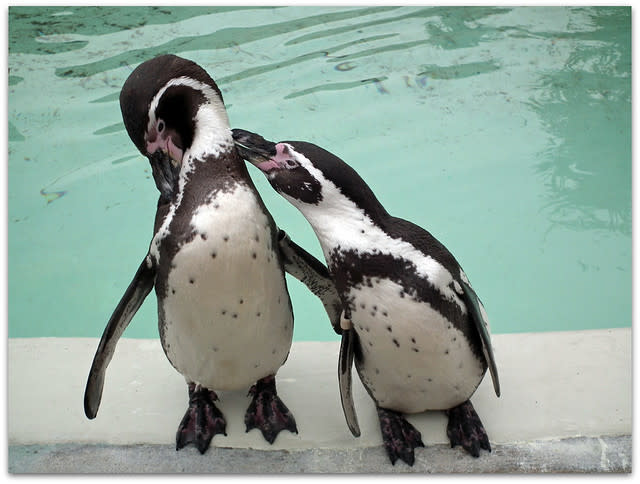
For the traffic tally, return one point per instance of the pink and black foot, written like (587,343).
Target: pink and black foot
(267,412)
(202,420)
(465,429)
(399,436)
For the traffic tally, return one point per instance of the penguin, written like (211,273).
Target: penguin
(418,332)
(216,260)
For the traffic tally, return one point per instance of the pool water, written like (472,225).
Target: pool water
(506,132)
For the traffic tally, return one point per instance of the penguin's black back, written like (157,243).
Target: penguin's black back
(422,240)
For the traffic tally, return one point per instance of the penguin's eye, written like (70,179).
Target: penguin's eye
(291,163)
(160,126)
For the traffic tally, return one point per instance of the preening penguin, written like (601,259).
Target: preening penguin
(419,332)
(217,260)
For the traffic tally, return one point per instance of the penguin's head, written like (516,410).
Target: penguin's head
(306,174)
(288,170)
(161,103)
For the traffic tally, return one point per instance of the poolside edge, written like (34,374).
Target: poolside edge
(574,455)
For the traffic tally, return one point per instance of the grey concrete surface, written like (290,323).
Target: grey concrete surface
(583,455)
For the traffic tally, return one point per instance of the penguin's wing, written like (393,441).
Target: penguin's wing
(313,274)
(345,365)
(479,317)
(128,306)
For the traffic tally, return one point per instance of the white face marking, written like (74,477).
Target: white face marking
(213,134)
(337,221)
(208,91)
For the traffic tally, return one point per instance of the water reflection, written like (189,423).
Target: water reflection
(586,109)
(460,27)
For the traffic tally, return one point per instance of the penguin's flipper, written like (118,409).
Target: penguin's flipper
(313,274)
(479,317)
(345,364)
(131,301)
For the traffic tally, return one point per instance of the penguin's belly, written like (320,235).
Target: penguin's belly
(413,359)
(226,318)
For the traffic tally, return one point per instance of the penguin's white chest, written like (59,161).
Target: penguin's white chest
(227,317)
(413,358)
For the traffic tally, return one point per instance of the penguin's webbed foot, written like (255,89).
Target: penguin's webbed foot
(399,436)
(466,429)
(201,421)
(267,412)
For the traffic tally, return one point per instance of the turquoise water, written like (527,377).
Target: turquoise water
(506,132)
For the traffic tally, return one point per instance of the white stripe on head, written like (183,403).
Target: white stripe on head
(212,131)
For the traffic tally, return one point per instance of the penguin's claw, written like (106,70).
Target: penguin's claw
(267,412)
(399,436)
(466,429)
(201,421)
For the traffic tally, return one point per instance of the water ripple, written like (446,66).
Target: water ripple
(458,71)
(220,39)
(328,52)
(337,86)
(28,24)
(445,13)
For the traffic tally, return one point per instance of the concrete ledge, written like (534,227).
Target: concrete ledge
(566,407)
(587,454)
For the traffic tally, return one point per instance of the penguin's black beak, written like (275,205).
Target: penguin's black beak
(165,173)
(253,147)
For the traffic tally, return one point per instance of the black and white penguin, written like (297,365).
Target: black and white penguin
(217,260)
(421,337)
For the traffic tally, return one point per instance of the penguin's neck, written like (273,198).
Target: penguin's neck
(340,224)
(211,163)
(212,135)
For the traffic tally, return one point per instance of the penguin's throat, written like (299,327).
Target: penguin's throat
(339,225)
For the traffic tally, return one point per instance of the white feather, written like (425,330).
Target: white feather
(232,325)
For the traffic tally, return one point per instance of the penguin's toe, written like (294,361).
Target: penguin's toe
(400,438)
(202,420)
(267,412)
(465,429)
